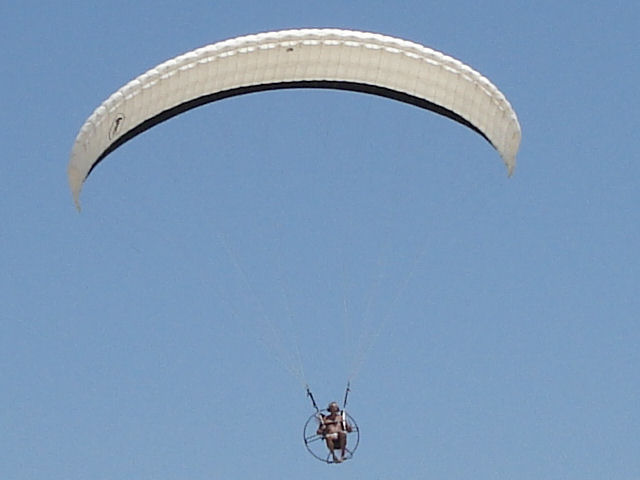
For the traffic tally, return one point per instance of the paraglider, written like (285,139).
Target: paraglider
(304,58)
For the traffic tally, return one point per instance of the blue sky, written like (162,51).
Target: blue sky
(137,336)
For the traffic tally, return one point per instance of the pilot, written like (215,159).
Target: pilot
(333,428)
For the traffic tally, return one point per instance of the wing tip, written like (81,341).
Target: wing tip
(75,184)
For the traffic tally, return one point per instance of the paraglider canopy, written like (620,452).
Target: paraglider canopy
(305,58)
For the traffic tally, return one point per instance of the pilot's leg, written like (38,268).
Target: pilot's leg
(342,439)
(331,447)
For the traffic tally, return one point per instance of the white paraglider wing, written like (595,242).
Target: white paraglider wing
(316,58)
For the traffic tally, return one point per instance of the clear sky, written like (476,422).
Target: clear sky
(137,337)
